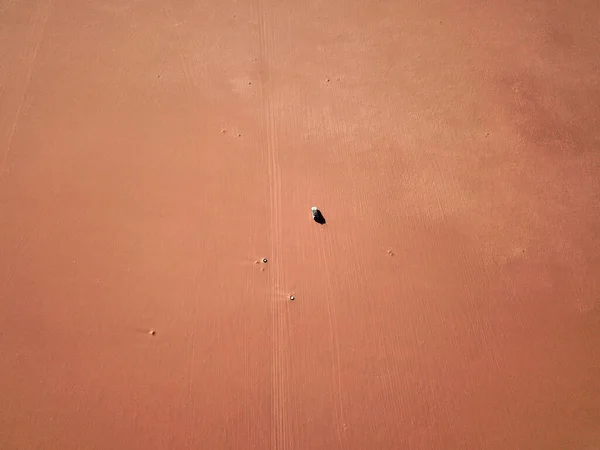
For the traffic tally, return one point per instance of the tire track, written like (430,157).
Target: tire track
(22,247)
(35,33)
(190,352)
(280,332)
(190,358)
(324,249)
(337,398)
(168,12)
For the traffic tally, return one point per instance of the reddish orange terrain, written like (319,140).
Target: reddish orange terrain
(153,152)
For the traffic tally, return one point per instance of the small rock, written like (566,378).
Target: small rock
(265,260)
(292,297)
(152,332)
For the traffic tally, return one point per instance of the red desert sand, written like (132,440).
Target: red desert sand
(152,151)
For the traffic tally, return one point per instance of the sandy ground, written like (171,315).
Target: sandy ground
(152,151)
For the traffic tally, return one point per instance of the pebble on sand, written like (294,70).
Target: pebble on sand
(264,260)
(292,297)
(152,332)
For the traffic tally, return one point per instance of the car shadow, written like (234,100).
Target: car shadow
(319,218)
